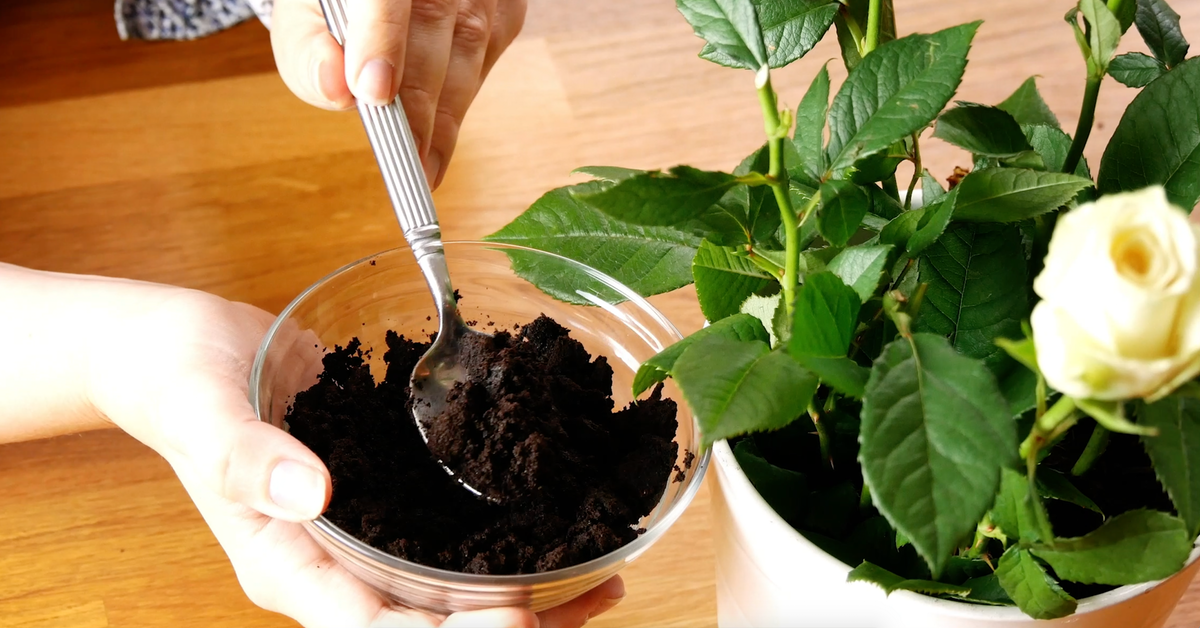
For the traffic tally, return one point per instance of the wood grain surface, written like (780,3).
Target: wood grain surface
(190,163)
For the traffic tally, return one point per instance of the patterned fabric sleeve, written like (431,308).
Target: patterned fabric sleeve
(184,19)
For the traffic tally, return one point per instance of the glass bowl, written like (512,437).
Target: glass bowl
(387,292)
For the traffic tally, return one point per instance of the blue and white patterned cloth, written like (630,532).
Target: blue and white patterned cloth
(185,19)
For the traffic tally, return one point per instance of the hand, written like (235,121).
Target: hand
(434,53)
(174,374)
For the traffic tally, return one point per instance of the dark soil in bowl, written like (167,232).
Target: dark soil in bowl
(533,423)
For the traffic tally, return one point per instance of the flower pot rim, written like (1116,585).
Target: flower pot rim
(722,455)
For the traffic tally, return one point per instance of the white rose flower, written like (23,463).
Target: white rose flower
(1120,310)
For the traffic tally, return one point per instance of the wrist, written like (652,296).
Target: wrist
(53,329)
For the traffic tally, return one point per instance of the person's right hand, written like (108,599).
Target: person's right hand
(434,53)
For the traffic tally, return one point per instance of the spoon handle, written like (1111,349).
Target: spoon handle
(399,162)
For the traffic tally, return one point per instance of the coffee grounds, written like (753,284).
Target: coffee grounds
(534,423)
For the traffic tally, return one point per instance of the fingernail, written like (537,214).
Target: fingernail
(605,606)
(318,83)
(375,82)
(298,489)
(433,168)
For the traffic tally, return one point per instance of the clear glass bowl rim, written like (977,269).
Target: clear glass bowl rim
(652,533)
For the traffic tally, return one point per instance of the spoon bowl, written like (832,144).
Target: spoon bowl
(435,375)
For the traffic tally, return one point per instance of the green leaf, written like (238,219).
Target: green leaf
(1126,13)
(987,590)
(889,582)
(856,12)
(724,279)
(861,267)
(1135,69)
(765,310)
(743,327)
(730,27)
(935,434)
(825,317)
(934,220)
(982,130)
(977,289)
(650,260)
(1033,590)
(1026,159)
(782,489)
(1130,548)
(843,206)
(611,174)
(1054,485)
(1175,452)
(1027,106)
(745,215)
(658,198)
(790,28)
(1158,139)
(931,190)
(1105,31)
(1159,26)
(809,138)
(1053,144)
(841,373)
(1020,389)
(895,91)
(1014,512)
(1014,194)
(736,387)
(754,208)
(901,228)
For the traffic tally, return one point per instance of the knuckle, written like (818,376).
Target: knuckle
(433,11)
(472,27)
(419,101)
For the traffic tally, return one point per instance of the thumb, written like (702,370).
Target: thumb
(309,60)
(216,435)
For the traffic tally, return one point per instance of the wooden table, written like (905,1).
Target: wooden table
(190,163)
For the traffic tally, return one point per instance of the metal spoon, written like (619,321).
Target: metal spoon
(392,141)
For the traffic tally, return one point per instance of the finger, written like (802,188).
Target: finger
(308,58)
(376,48)
(492,618)
(431,37)
(578,611)
(283,570)
(472,33)
(506,25)
(210,428)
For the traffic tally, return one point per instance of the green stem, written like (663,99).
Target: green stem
(822,434)
(1091,93)
(1095,446)
(918,170)
(1049,425)
(778,177)
(1114,6)
(874,15)
(1038,509)
(855,29)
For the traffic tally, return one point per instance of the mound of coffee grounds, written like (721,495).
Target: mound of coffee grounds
(533,424)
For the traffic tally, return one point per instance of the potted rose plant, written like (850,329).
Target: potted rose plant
(973,398)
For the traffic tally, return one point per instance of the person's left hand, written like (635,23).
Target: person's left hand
(434,53)
(174,374)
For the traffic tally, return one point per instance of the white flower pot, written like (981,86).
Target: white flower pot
(770,575)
